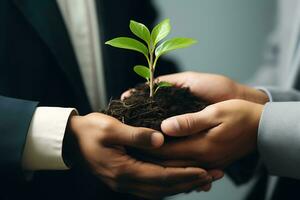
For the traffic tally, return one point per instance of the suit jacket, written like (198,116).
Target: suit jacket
(38,68)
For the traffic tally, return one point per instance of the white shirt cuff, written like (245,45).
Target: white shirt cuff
(43,147)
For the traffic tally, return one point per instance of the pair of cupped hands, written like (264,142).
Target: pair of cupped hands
(211,139)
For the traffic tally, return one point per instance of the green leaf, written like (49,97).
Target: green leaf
(172,44)
(164,84)
(142,71)
(161,85)
(140,30)
(128,43)
(160,31)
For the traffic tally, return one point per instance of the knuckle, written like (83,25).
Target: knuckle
(106,125)
(215,111)
(107,129)
(122,173)
(134,135)
(92,115)
(188,123)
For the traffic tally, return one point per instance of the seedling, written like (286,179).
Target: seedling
(151,47)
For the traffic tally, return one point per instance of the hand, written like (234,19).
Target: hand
(101,140)
(214,88)
(217,136)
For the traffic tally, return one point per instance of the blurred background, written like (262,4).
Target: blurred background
(231,33)
(232,36)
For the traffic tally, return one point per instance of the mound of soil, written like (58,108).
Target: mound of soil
(141,111)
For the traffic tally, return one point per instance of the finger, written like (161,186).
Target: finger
(158,192)
(177,79)
(176,163)
(216,174)
(160,157)
(178,150)
(188,124)
(127,94)
(204,188)
(136,137)
(155,174)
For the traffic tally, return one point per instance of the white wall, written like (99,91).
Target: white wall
(231,33)
(231,36)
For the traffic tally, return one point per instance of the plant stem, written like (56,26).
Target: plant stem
(151,81)
(154,63)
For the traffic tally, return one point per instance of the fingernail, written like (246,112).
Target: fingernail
(218,175)
(170,125)
(157,139)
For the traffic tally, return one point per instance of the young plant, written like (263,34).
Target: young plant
(151,48)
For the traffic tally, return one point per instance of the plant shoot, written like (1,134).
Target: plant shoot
(152,47)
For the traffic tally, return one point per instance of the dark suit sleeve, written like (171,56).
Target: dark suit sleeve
(15,118)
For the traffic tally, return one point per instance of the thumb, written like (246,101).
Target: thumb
(178,79)
(188,124)
(138,137)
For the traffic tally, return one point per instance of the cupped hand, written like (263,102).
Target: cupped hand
(216,136)
(102,140)
(214,88)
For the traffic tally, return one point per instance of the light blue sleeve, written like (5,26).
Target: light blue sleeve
(279,133)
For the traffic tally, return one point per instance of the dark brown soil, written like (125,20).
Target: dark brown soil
(141,111)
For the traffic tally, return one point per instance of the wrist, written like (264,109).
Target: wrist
(252,94)
(70,150)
